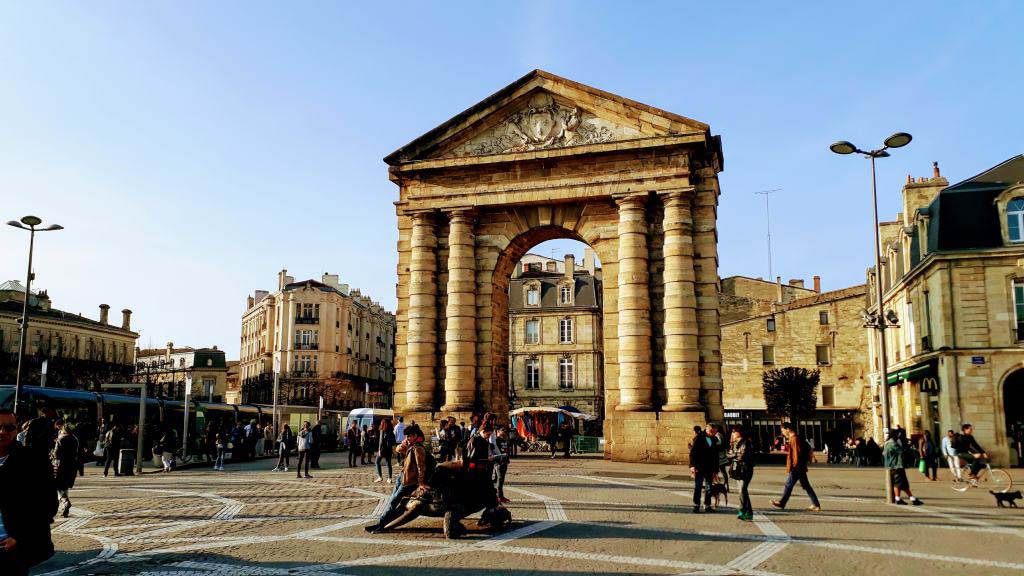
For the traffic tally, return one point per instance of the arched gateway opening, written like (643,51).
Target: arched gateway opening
(549,158)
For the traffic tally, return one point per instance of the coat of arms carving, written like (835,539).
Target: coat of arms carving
(544,123)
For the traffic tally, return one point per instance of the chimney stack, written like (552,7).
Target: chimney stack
(104,313)
(126,319)
(570,265)
(817,284)
(250,302)
(935,170)
(778,289)
(170,347)
(283,279)
(797,282)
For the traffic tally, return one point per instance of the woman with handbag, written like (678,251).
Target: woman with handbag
(284,446)
(741,469)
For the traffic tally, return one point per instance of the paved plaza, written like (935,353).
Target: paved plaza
(582,516)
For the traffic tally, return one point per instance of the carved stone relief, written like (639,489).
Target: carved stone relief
(544,123)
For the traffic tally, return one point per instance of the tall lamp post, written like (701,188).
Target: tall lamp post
(878,322)
(27,223)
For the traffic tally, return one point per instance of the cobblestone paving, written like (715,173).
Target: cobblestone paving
(582,516)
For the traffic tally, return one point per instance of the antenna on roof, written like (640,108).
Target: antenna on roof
(768,220)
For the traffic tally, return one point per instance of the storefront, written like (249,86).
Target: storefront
(914,398)
(764,429)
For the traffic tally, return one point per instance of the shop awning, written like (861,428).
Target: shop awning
(916,373)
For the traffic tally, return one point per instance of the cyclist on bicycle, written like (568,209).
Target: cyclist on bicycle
(971,451)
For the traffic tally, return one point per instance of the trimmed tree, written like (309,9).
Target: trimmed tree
(791,393)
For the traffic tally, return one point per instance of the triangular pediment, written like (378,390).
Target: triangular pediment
(542,111)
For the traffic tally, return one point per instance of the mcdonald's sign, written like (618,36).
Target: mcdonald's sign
(930,385)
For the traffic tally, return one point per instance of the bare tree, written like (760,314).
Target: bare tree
(791,393)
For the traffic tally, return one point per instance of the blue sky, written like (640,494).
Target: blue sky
(191,150)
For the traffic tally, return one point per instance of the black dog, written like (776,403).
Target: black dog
(1002,497)
(718,490)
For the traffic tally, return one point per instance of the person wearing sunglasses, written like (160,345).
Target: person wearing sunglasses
(28,502)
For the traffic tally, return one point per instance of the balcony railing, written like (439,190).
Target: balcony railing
(307,346)
(307,319)
(301,374)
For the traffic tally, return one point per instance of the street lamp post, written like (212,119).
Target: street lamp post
(897,140)
(27,223)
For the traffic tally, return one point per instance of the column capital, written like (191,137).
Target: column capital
(461,214)
(419,213)
(675,194)
(630,199)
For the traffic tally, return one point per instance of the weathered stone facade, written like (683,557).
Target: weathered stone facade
(824,332)
(955,279)
(549,158)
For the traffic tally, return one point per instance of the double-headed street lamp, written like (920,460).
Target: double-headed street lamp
(27,223)
(897,140)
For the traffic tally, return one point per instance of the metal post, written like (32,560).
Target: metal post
(184,433)
(276,424)
(880,326)
(24,318)
(142,428)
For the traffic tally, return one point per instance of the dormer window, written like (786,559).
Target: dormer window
(1015,219)
(565,295)
(533,295)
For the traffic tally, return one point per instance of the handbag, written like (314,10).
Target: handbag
(738,471)
(99,452)
(922,465)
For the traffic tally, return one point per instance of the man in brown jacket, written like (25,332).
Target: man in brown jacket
(797,456)
(414,475)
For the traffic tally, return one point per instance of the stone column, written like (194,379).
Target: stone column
(634,307)
(682,354)
(460,335)
(421,355)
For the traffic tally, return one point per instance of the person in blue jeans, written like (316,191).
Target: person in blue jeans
(221,443)
(797,457)
(414,475)
(703,464)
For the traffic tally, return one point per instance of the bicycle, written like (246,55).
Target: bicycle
(988,478)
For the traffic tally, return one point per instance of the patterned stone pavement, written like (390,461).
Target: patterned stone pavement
(582,516)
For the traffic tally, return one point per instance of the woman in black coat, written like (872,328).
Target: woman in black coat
(28,502)
(741,469)
(65,466)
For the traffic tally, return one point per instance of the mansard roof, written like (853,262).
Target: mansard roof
(543,111)
(586,293)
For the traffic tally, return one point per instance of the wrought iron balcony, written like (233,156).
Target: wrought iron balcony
(307,319)
(302,374)
(308,346)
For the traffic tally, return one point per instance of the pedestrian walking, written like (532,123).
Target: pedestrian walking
(65,466)
(314,446)
(268,440)
(399,438)
(895,455)
(741,468)
(369,444)
(221,446)
(303,441)
(566,435)
(167,445)
(928,451)
(703,464)
(951,455)
(284,446)
(552,439)
(502,448)
(385,447)
(28,502)
(354,437)
(111,447)
(797,458)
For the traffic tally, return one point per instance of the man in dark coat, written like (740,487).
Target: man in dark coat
(703,465)
(28,502)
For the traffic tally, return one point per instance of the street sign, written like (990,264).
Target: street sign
(977,360)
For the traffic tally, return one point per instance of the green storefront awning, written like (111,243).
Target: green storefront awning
(916,372)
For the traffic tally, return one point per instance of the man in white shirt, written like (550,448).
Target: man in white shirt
(952,458)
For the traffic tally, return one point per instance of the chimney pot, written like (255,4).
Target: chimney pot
(817,284)
(104,313)
(126,319)
(910,179)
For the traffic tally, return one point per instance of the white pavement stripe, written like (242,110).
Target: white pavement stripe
(553,506)
(959,518)
(627,560)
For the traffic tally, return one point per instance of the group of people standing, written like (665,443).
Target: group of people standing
(375,444)
(306,443)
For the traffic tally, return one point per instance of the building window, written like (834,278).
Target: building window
(565,373)
(1015,219)
(532,374)
(565,295)
(911,333)
(533,331)
(828,395)
(821,352)
(565,331)
(770,324)
(823,318)
(533,296)
(1018,308)
(767,354)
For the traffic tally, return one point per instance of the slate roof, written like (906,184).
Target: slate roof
(587,291)
(964,217)
(15,306)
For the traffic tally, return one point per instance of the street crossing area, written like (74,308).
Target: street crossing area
(581,516)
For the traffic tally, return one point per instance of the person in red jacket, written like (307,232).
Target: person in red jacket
(797,456)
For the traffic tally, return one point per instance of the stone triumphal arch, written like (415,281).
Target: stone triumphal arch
(548,158)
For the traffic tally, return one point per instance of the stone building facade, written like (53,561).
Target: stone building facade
(823,331)
(168,370)
(80,352)
(546,158)
(555,336)
(954,277)
(324,338)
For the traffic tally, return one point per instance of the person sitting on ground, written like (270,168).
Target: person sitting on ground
(413,477)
